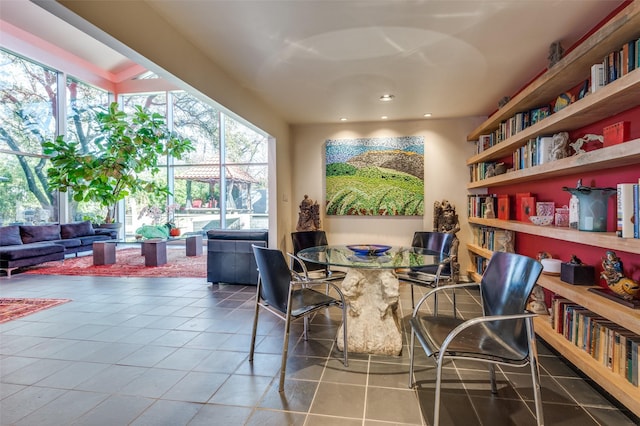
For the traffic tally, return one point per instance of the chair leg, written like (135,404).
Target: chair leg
(285,351)
(492,378)
(411,352)
(413,303)
(255,323)
(436,406)
(535,372)
(305,332)
(345,349)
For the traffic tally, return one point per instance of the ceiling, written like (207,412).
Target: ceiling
(315,61)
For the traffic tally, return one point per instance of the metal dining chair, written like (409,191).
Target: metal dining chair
(502,335)
(305,239)
(430,276)
(289,296)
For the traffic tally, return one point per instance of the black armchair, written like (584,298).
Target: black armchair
(430,276)
(305,239)
(289,296)
(502,335)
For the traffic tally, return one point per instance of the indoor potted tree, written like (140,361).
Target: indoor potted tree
(111,170)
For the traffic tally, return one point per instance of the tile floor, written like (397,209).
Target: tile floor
(133,351)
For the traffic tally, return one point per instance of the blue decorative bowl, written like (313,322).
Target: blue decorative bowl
(369,249)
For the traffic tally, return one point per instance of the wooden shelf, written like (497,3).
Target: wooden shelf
(620,314)
(623,154)
(623,27)
(474,248)
(607,240)
(614,98)
(617,96)
(617,386)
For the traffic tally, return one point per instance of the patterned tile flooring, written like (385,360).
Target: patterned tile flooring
(140,351)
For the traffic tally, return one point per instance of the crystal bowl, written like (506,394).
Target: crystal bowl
(541,220)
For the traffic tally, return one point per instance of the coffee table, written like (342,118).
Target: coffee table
(153,250)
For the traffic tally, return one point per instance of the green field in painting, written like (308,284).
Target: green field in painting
(373,191)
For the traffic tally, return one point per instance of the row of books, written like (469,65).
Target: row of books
(480,171)
(477,204)
(535,152)
(628,210)
(615,347)
(616,64)
(494,239)
(481,264)
(512,126)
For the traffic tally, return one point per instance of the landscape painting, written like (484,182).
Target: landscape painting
(375,176)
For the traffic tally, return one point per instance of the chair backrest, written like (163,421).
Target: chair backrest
(275,277)
(439,242)
(506,285)
(305,239)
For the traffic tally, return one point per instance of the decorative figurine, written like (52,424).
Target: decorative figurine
(536,301)
(489,212)
(445,219)
(505,100)
(574,214)
(555,53)
(559,149)
(590,141)
(613,274)
(309,215)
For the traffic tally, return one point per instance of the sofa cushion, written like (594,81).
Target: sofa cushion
(26,251)
(69,242)
(10,235)
(36,233)
(89,239)
(76,229)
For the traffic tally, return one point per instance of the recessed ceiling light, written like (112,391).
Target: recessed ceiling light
(343,119)
(386,98)
(428,114)
(384,117)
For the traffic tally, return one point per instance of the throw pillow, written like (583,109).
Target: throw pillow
(35,233)
(77,229)
(10,235)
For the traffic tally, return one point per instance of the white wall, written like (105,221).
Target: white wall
(446,176)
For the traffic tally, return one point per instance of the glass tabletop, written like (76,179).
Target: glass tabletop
(394,257)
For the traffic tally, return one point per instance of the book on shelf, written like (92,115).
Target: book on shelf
(625,210)
(544,148)
(503,207)
(597,77)
(636,210)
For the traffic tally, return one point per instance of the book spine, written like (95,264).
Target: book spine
(625,222)
(636,210)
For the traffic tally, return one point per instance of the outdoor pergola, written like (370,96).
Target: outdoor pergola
(234,176)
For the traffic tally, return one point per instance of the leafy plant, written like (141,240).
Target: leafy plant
(111,170)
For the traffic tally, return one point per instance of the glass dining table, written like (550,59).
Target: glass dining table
(371,289)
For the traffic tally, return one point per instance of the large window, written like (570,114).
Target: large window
(222,184)
(27,118)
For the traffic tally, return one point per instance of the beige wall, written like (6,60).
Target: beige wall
(446,176)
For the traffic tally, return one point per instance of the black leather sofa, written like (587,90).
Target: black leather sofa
(29,245)
(230,257)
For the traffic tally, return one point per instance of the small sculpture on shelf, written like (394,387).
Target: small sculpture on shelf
(536,302)
(445,219)
(588,142)
(613,274)
(309,215)
(559,149)
(555,53)
(489,211)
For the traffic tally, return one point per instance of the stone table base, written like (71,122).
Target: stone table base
(373,325)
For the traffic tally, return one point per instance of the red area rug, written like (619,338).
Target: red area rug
(129,263)
(16,308)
